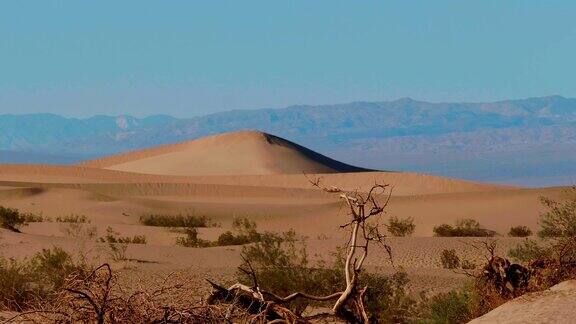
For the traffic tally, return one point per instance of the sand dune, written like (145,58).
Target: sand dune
(403,183)
(245,152)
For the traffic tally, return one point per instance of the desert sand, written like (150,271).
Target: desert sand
(261,177)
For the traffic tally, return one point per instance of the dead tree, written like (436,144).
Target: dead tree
(364,209)
(507,278)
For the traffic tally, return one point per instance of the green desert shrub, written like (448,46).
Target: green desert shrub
(244,231)
(463,228)
(560,219)
(519,231)
(180,220)
(192,240)
(528,250)
(11,219)
(401,227)
(448,308)
(557,233)
(35,218)
(118,245)
(229,238)
(24,283)
(450,259)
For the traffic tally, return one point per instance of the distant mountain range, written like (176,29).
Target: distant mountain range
(530,141)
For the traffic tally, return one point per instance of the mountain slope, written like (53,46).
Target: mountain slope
(237,153)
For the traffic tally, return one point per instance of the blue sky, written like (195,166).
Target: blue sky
(187,58)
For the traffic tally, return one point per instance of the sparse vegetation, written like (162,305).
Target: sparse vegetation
(528,250)
(401,227)
(192,240)
(350,302)
(35,218)
(118,245)
(546,262)
(450,259)
(519,231)
(25,283)
(78,230)
(278,264)
(179,220)
(463,228)
(447,308)
(73,218)
(113,237)
(281,264)
(11,219)
(557,233)
(243,232)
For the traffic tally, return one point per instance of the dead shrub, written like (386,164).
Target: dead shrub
(98,297)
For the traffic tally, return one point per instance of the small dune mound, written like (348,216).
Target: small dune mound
(555,305)
(236,153)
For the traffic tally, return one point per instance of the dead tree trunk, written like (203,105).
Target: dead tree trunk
(349,304)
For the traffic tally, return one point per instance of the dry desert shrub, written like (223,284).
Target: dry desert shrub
(11,219)
(520,231)
(114,237)
(463,228)
(401,227)
(25,284)
(450,259)
(187,219)
(73,218)
(244,231)
(97,297)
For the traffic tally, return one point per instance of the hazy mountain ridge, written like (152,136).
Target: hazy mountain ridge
(380,134)
(42,132)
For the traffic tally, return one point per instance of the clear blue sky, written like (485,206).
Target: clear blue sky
(186,58)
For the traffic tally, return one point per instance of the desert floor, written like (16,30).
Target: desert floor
(116,199)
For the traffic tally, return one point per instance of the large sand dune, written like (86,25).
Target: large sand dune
(246,152)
